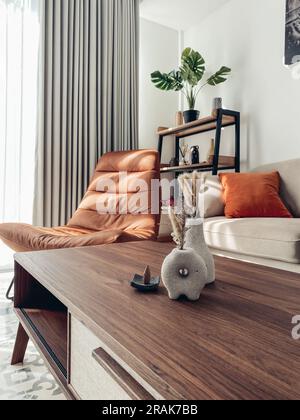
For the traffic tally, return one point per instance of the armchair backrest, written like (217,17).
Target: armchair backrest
(123,195)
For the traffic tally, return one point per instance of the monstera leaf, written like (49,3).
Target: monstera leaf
(219,77)
(192,66)
(167,81)
(188,76)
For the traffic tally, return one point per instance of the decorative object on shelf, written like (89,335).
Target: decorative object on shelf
(228,161)
(191,115)
(195,155)
(161,129)
(179,119)
(211,153)
(217,104)
(187,79)
(145,283)
(292,30)
(174,162)
(184,272)
(184,149)
(195,239)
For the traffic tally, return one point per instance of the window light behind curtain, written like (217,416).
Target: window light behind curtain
(19,43)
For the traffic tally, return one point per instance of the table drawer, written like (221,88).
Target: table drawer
(87,377)
(95,374)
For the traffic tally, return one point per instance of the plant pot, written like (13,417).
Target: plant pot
(191,115)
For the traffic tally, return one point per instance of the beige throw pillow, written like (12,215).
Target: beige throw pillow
(211,201)
(209,193)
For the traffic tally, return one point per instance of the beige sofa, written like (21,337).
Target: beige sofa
(270,242)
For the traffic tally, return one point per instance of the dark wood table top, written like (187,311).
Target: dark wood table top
(235,343)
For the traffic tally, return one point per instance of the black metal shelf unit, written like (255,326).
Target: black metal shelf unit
(224,118)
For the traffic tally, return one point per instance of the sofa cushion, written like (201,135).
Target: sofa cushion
(289,190)
(253,195)
(277,239)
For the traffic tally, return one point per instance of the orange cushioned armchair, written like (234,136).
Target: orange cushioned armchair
(121,180)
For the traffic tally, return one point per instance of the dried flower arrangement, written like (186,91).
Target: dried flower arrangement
(190,187)
(184,148)
(178,221)
(192,259)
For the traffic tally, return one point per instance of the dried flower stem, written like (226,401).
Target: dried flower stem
(178,221)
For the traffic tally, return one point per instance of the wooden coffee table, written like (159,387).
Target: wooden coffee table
(104,340)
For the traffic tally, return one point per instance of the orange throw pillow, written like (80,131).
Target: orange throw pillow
(253,195)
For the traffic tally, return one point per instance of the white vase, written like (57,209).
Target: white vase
(184,273)
(195,239)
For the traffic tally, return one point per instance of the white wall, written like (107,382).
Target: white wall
(249,37)
(158,51)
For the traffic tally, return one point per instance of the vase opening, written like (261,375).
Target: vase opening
(184,272)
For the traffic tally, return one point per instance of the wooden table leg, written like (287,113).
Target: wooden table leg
(20,346)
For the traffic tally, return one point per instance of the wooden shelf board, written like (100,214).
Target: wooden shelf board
(196,127)
(187,168)
(39,342)
(52,326)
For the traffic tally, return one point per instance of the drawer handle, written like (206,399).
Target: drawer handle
(121,376)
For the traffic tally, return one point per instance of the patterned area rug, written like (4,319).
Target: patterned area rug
(30,381)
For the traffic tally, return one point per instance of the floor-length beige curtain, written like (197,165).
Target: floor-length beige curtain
(19,50)
(88,97)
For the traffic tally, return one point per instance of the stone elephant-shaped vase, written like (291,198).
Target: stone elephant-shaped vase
(184,273)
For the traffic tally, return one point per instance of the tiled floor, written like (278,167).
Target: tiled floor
(30,381)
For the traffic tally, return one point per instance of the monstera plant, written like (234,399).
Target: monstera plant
(187,79)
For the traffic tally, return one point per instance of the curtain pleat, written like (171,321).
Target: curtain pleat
(88,97)
(19,48)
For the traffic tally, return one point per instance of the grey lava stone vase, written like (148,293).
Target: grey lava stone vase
(195,239)
(184,273)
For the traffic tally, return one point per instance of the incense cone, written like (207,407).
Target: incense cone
(147,275)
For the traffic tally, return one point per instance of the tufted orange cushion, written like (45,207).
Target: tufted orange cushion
(253,195)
